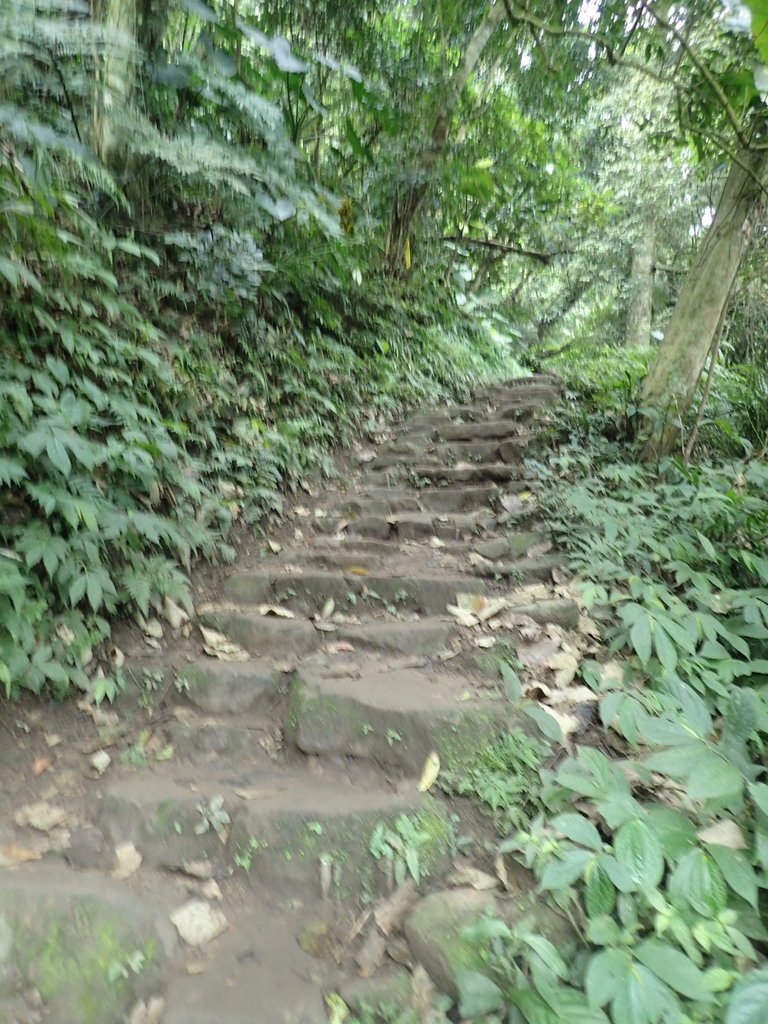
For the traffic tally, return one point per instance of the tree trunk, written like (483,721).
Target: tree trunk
(637,333)
(407,206)
(671,383)
(115,70)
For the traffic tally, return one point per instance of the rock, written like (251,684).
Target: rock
(198,923)
(390,988)
(434,928)
(369,526)
(72,939)
(220,687)
(88,849)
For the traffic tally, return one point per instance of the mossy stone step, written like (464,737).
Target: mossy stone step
(308,592)
(512,545)
(67,936)
(422,525)
(524,569)
(395,717)
(511,451)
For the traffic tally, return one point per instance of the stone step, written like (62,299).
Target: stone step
(284,822)
(394,717)
(493,472)
(512,451)
(62,932)
(288,638)
(439,500)
(387,462)
(511,545)
(523,569)
(497,429)
(307,592)
(561,611)
(423,525)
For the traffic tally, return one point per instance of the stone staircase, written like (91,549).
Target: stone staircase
(353,673)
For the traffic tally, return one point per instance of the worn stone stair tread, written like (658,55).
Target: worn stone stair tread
(286,822)
(501,428)
(498,472)
(446,526)
(426,593)
(511,450)
(394,717)
(523,568)
(297,637)
(439,500)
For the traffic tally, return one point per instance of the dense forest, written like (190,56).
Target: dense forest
(237,235)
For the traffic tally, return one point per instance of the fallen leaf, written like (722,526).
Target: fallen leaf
(41,816)
(356,570)
(301,511)
(276,610)
(274,547)
(462,616)
(174,615)
(198,923)
(116,656)
(153,642)
(435,542)
(723,833)
(251,793)
(474,878)
(429,772)
(589,627)
(151,627)
(565,666)
(41,764)
(327,610)
(479,561)
(127,861)
(53,739)
(217,645)
(13,853)
(340,647)
(320,513)
(324,627)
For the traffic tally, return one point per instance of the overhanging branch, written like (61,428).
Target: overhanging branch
(503,247)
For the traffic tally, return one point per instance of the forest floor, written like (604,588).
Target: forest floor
(243,832)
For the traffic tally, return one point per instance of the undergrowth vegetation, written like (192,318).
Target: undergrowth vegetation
(154,391)
(652,838)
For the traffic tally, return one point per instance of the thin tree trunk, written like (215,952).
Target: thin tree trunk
(407,206)
(637,333)
(670,386)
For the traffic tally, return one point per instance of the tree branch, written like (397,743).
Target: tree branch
(504,247)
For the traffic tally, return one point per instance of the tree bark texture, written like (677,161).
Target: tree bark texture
(670,386)
(637,332)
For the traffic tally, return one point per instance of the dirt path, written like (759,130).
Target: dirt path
(280,791)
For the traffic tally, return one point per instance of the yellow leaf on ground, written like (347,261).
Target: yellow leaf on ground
(429,772)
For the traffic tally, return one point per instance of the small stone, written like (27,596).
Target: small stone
(198,923)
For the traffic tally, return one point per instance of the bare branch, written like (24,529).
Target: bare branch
(503,247)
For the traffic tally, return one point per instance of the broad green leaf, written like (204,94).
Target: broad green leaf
(674,968)
(759,793)
(600,895)
(642,998)
(737,872)
(564,869)
(698,881)
(478,995)
(665,649)
(578,829)
(604,972)
(674,831)
(749,1000)
(638,849)
(713,778)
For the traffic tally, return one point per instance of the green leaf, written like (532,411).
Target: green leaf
(638,849)
(478,995)
(57,453)
(698,881)
(759,793)
(546,722)
(603,975)
(714,778)
(749,999)
(674,968)
(642,998)
(600,895)
(666,651)
(640,636)
(737,872)
(564,869)
(578,829)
